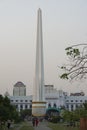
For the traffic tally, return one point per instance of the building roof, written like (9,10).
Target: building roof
(19,84)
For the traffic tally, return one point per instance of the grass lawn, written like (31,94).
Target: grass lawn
(26,126)
(61,127)
(20,126)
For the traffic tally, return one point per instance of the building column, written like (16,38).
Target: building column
(19,107)
(23,106)
(28,106)
(69,107)
(74,106)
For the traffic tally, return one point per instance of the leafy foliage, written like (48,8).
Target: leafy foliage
(55,119)
(72,52)
(77,62)
(7,111)
(76,114)
(85,105)
(25,113)
(64,76)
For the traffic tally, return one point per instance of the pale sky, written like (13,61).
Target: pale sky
(64,24)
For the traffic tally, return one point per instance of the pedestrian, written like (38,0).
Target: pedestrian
(37,121)
(33,121)
(8,123)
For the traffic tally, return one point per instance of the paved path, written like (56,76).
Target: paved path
(42,126)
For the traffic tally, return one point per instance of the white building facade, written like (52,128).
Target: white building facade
(21,102)
(73,102)
(54,99)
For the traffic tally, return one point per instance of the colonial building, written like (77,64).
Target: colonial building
(73,102)
(21,102)
(54,98)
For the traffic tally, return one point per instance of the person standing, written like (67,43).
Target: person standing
(33,121)
(8,123)
(37,121)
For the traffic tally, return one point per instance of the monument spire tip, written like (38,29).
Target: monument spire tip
(39,9)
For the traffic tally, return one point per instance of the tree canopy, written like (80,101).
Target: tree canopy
(75,115)
(76,68)
(7,111)
(25,113)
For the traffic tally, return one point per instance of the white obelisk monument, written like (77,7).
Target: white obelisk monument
(39,104)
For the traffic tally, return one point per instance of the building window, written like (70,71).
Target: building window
(71,100)
(21,106)
(80,100)
(49,105)
(76,100)
(16,106)
(67,100)
(21,100)
(11,100)
(30,106)
(67,106)
(76,106)
(26,100)
(54,105)
(26,106)
(16,100)
(71,107)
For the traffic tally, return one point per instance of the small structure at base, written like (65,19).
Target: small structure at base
(39,109)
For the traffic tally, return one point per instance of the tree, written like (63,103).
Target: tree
(68,115)
(77,66)
(7,111)
(25,113)
(76,114)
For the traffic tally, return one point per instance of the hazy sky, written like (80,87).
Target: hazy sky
(64,24)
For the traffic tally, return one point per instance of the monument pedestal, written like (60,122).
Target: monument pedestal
(38,108)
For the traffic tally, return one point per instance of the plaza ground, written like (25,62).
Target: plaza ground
(42,126)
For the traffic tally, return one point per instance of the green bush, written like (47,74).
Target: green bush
(55,119)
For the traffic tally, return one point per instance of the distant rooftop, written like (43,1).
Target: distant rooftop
(19,84)
(77,94)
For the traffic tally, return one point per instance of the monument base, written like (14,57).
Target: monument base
(38,108)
